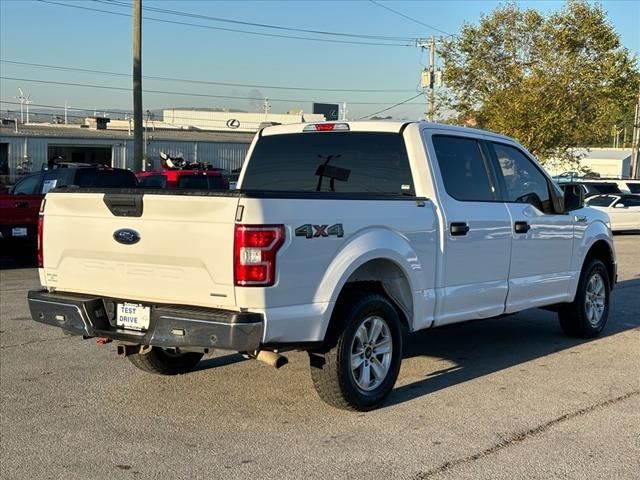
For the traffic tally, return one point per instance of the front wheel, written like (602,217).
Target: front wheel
(360,370)
(587,315)
(165,362)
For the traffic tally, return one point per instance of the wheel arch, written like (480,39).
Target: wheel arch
(387,278)
(603,251)
(380,261)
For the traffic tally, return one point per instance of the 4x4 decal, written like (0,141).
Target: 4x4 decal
(315,231)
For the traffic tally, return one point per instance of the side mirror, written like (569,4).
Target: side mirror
(573,196)
(619,205)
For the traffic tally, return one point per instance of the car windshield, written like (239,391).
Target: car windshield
(600,201)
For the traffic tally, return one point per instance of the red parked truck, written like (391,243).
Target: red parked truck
(19,208)
(173,179)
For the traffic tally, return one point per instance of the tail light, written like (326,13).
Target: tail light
(254,252)
(40,232)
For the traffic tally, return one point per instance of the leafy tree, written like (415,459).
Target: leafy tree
(553,83)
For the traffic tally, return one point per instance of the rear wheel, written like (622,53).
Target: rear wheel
(587,315)
(359,371)
(165,362)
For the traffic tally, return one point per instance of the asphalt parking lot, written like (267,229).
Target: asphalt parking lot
(508,398)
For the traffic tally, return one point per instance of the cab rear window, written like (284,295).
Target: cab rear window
(153,181)
(201,182)
(89,177)
(341,162)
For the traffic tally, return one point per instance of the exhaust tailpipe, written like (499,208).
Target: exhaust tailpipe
(125,350)
(272,358)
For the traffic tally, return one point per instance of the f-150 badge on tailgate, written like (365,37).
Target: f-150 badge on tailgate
(126,236)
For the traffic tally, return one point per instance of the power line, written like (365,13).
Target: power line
(164,92)
(110,112)
(408,17)
(393,106)
(173,117)
(210,27)
(198,82)
(101,110)
(254,24)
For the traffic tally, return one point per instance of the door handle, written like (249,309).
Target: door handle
(458,228)
(21,204)
(521,227)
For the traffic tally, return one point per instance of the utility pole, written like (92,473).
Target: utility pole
(635,150)
(432,67)
(344,111)
(431,77)
(138,161)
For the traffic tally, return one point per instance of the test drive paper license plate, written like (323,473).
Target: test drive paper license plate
(132,316)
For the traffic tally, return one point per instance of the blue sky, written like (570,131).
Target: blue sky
(44,33)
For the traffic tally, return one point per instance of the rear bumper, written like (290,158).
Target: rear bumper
(174,326)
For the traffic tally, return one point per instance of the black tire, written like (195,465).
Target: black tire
(163,362)
(575,318)
(331,370)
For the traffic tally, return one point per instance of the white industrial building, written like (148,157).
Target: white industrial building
(28,148)
(607,162)
(233,121)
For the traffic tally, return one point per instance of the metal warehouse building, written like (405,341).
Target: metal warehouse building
(28,148)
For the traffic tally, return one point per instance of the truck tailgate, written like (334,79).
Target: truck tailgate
(184,254)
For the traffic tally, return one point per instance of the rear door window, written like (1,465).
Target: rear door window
(54,179)
(464,171)
(341,162)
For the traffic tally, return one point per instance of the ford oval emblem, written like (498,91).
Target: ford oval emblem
(126,236)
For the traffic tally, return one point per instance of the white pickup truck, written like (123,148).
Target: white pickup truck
(340,237)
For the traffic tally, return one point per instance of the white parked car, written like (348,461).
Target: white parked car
(623,210)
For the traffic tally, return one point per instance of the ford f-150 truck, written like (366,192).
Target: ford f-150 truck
(340,237)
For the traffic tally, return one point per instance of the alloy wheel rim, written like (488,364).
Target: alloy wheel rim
(371,352)
(595,299)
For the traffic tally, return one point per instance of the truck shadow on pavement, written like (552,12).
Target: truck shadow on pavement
(220,361)
(486,346)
